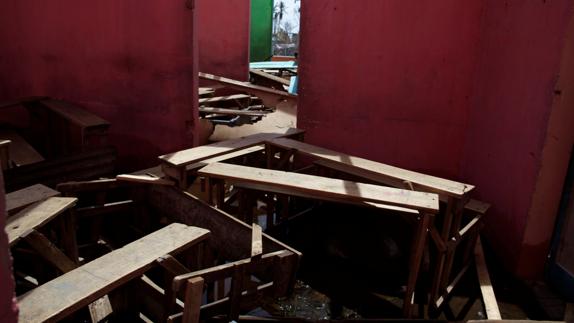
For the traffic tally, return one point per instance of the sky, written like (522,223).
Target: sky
(291,14)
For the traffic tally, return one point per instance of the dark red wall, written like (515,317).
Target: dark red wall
(389,80)
(518,67)
(460,89)
(129,61)
(223,37)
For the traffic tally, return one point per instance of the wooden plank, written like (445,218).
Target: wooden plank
(205,92)
(247,87)
(75,113)
(36,216)
(486,290)
(144,179)
(270,77)
(47,250)
(229,156)
(196,154)
(219,99)
(193,295)
(376,171)
(222,111)
(319,187)
(66,294)
(19,199)
(21,152)
(256,241)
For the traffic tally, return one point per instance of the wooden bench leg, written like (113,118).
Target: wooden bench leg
(417,251)
(193,296)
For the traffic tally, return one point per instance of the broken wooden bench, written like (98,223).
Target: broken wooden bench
(174,164)
(455,196)
(426,205)
(231,241)
(78,288)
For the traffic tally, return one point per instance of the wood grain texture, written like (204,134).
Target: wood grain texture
(82,286)
(486,290)
(318,187)
(196,154)
(36,216)
(29,195)
(376,171)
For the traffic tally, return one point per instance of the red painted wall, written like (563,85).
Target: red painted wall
(389,80)
(8,308)
(457,89)
(518,67)
(223,37)
(129,61)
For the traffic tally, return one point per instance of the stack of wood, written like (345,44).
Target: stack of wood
(231,110)
(284,174)
(251,102)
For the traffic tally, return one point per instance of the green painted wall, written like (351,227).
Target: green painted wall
(261,28)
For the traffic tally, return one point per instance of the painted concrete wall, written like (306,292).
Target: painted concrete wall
(261,30)
(8,308)
(515,154)
(389,80)
(463,90)
(223,37)
(129,61)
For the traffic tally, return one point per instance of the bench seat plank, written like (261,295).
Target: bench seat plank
(76,289)
(376,171)
(321,187)
(19,199)
(196,154)
(35,216)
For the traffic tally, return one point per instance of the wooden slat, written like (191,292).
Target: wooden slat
(193,155)
(64,295)
(270,77)
(47,250)
(379,172)
(256,241)
(247,87)
(193,294)
(318,187)
(236,112)
(26,196)
(35,216)
(205,92)
(144,179)
(21,152)
(486,290)
(218,99)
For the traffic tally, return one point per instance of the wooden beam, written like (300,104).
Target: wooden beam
(144,179)
(197,154)
(320,187)
(66,294)
(260,91)
(47,250)
(250,113)
(256,241)
(18,200)
(379,172)
(35,216)
(486,290)
(21,152)
(193,296)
